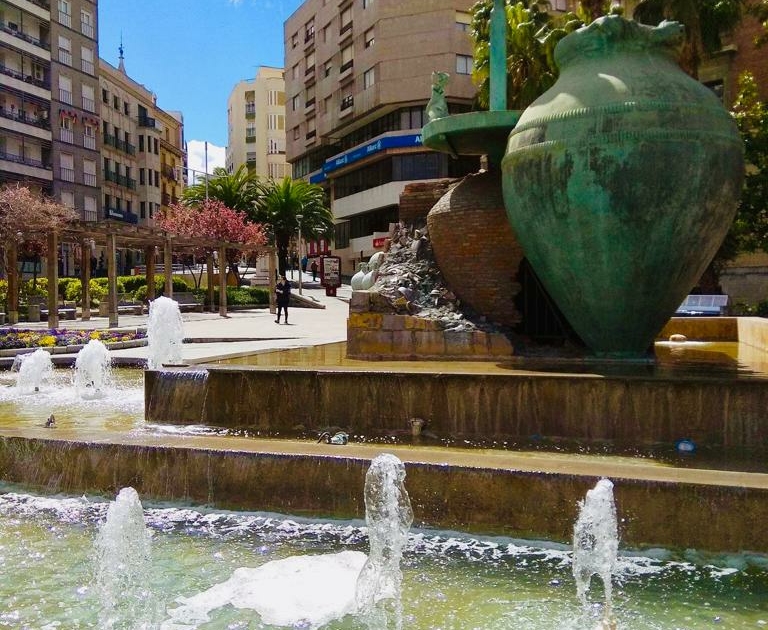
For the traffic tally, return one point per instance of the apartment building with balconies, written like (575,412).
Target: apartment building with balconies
(173,156)
(25,93)
(256,125)
(74,108)
(142,149)
(357,81)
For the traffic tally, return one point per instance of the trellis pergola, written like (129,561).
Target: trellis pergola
(110,234)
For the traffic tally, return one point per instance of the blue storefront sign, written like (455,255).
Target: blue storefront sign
(364,151)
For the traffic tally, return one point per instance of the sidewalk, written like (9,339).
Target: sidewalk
(209,336)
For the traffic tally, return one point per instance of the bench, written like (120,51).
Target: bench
(698,305)
(189,301)
(64,313)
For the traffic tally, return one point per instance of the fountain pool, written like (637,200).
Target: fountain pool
(450,581)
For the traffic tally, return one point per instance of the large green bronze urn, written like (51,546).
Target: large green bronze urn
(621,182)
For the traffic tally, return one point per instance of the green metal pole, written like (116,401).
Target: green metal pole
(498,35)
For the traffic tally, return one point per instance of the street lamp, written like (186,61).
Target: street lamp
(299,217)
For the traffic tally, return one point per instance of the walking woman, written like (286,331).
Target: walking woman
(283,291)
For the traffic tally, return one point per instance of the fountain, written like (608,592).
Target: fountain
(388,515)
(595,547)
(92,370)
(123,566)
(165,333)
(34,369)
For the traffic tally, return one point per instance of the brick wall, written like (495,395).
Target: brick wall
(475,247)
(418,198)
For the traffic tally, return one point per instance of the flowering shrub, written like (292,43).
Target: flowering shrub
(18,338)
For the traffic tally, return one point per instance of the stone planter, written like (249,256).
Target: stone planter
(621,182)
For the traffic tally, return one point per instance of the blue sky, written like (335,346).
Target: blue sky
(192,52)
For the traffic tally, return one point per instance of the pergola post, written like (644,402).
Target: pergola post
(112,279)
(12,272)
(85,279)
(149,259)
(222,281)
(272,270)
(168,265)
(209,283)
(52,269)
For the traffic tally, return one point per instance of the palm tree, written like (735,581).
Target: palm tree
(280,202)
(532,34)
(236,190)
(704,20)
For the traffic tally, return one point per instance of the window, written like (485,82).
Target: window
(86,24)
(67,168)
(143,209)
(274,146)
(309,62)
(326,30)
(368,78)
(66,133)
(309,31)
(327,104)
(347,102)
(367,3)
(295,72)
(155,146)
(346,20)
(67,198)
(310,96)
(463,20)
(89,136)
(296,133)
(327,68)
(294,40)
(142,178)
(346,59)
(311,129)
(295,103)
(89,103)
(275,121)
(65,13)
(65,50)
(126,108)
(250,132)
(141,143)
(463,64)
(89,172)
(273,97)
(368,38)
(116,102)
(65,89)
(104,96)
(86,60)
(89,208)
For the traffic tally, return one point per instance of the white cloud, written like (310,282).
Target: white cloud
(196,156)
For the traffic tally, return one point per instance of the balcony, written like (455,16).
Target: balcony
(346,67)
(21,116)
(87,29)
(311,134)
(89,179)
(89,142)
(87,67)
(20,159)
(65,96)
(27,78)
(67,135)
(168,172)
(251,138)
(13,29)
(345,31)
(65,57)
(66,174)
(147,121)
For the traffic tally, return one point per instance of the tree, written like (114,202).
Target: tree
(279,203)
(532,34)
(237,190)
(750,229)
(27,216)
(705,22)
(211,220)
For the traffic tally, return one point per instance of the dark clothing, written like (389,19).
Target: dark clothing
(304,261)
(283,291)
(313,267)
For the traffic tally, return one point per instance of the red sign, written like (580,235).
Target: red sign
(380,242)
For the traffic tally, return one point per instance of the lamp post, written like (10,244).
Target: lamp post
(299,217)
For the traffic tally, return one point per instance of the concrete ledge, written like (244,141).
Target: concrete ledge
(499,493)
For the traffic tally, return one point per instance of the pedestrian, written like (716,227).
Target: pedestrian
(283,291)
(313,267)
(304,261)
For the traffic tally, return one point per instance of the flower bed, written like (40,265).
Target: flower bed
(16,338)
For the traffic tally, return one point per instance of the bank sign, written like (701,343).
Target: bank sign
(364,151)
